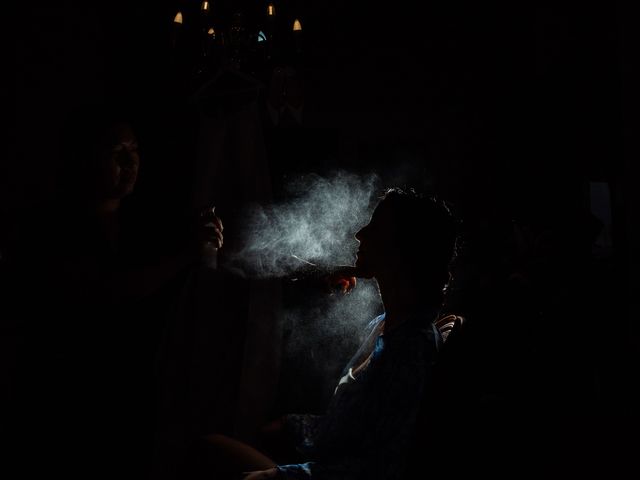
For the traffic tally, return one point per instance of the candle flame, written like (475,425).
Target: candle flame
(297,26)
(178,18)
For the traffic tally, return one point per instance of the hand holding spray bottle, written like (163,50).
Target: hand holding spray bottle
(211,237)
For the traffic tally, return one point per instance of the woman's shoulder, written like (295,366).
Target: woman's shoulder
(375,323)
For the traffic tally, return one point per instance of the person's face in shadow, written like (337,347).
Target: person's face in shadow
(377,246)
(119,162)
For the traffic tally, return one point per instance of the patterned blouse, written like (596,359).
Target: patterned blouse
(368,425)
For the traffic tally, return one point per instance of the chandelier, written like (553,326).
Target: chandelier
(207,36)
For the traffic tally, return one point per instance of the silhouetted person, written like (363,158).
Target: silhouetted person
(90,340)
(369,423)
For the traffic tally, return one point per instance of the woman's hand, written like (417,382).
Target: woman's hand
(342,280)
(341,284)
(210,228)
(206,237)
(261,474)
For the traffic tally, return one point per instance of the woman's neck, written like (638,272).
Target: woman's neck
(107,213)
(403,298)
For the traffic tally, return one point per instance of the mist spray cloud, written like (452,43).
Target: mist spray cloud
(316,224)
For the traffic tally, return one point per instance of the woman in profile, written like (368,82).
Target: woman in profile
(368,426)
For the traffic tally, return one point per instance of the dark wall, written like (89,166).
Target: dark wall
(499,98)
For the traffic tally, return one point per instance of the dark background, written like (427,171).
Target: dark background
(511,110)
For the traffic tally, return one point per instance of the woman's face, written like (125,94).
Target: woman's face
(120,162)
(376,242)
